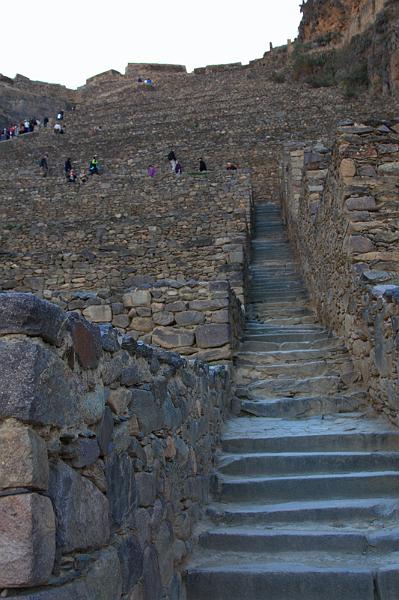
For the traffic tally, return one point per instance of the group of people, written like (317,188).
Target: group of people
(147,81)
(70,172)
(29,126)
(25,126)
(177,168)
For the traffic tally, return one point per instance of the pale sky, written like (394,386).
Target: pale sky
(67,42)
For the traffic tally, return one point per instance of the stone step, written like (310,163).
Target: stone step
(247,372)
(258,579)
(335,433)
(338,513)
(306,487)
(289,320)
(295,463)
(304,406)
(255,540)
(286,350)
(290,387)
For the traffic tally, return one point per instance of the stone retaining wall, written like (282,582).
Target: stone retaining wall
(107,232)
(204,320)
(342,213)
(107,449)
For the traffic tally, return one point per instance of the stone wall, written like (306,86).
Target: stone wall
(107,449)
(341,208)
(198,319)
(107,232)
(21,98)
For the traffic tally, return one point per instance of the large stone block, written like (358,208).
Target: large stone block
(163,318)
(86,342)
(212,335)
(103,581)
(27,540)
(104,432)
(122,492)
(37,386)
(147,411)
(212,304)
(100,313)
(23,461)
(359,244)
(361,203)
(82,510)
(151,575)
(131,560)
(137,298)
(190,317)
(86,452)
(119,400)
(171,337)
(146,488)
(25,313)
(347,168)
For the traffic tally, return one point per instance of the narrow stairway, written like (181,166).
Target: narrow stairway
(306,495)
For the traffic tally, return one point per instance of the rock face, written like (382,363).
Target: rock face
(107,449)
(338,21)
(365,31)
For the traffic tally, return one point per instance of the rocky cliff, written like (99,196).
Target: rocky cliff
(364,32)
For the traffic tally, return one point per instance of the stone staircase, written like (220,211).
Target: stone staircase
(306,495)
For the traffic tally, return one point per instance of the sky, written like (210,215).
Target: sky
(67,42)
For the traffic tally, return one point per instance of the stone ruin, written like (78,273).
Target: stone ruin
(138,315)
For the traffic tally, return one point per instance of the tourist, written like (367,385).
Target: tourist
(60,115)
(67,167)
(172,160)
(44,165)
(151,171)
(230,167)
(178,168)
(82,176)
(26,126)
(72,175)
(202,165)
(45,121)
(93,166)
(57,128)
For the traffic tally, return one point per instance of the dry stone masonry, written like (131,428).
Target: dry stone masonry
(341,209)
(107,448)
(116,418)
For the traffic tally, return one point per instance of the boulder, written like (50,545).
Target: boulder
(82,510)
(121,484)
(27,314)
(37,387)
(27,540)
(86,340)
(23,457)
(103,581)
